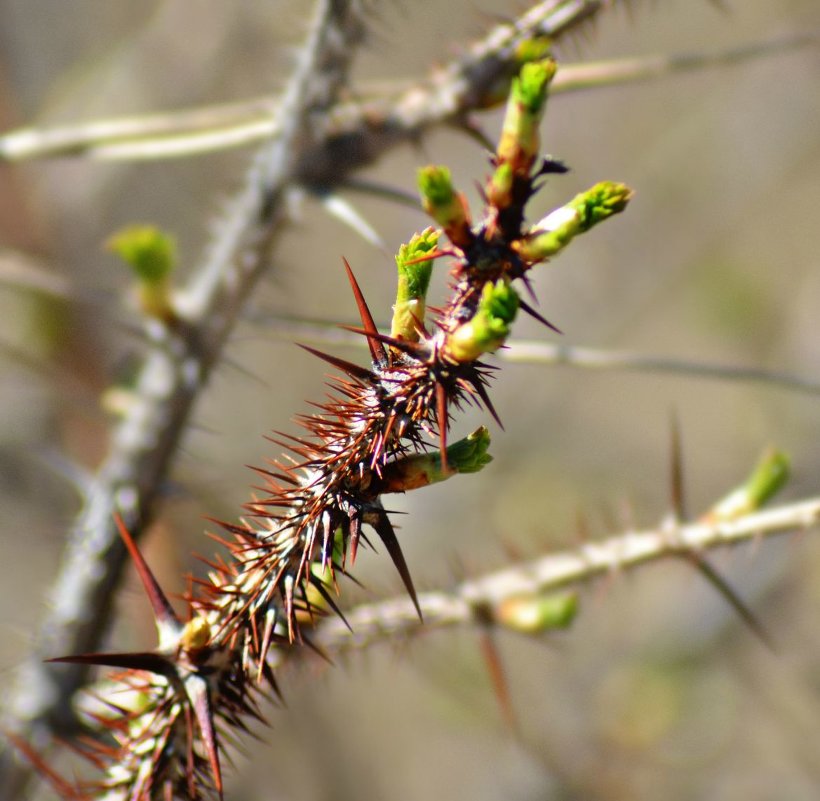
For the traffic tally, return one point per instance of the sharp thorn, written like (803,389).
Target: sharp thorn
(163,611)
(318,651)
(441,415)
(415,349)
(485,399)
(732,598)
(541,319)
(353,370)
(677,488)
(387,535)
(498,678)
(377,350)
(138,660)
(525,279)
(58,783)
(198,694)
(328,599)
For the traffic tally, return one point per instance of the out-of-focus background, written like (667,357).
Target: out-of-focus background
(656,691)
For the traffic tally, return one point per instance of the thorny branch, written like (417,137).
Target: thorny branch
(180,358)
(311,148)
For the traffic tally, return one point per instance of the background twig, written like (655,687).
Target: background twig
(466,604)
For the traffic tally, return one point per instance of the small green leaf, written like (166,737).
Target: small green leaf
(151,253)
(768,478)
(469,455)
(446,206)
(535,614)
(500,185)
(601,202)
(436,185)
(414,280)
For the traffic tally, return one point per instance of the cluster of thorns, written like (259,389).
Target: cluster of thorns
(383,429)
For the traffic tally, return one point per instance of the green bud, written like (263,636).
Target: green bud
(519,142)
(468,455)
(555,231)
(436,185)
(414,279)
(535,614)
(601,202)
(533,49)
(530,89)
(151,254)
(499,303)
(498,90)
(490,325)
(767,479)
(441,201)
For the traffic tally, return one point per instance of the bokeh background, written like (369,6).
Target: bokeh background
(657,691)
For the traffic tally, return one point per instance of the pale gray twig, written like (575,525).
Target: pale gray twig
(523,351)
(196,131)
(472,602)
(533,352)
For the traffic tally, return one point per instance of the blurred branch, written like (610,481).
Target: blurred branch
(532,352)
(175,133)
(523,351)
(193,132)
(476,601)
(175,369)
(22,271)
(600,74)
